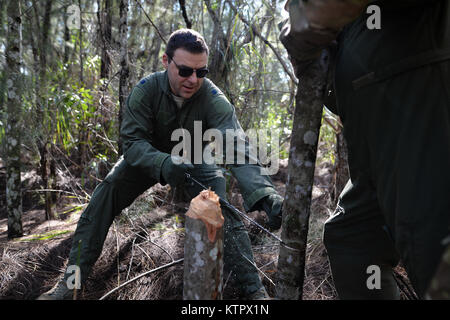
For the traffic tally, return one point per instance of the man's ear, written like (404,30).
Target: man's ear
(165,60)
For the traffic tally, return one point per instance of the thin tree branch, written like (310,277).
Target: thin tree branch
(154,26)
(258,34)
(216,21)
(259,269)
(118,253)
(150,240)
(140,276)
(184,12)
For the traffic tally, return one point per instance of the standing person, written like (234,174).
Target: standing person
(392,88)
(158,105)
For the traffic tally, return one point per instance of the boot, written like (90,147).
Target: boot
(59,292)
(260,294)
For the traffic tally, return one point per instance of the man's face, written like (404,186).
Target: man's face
(184,86)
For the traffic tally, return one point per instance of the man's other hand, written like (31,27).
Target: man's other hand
(272,205)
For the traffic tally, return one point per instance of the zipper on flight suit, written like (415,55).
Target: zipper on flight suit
(177,116)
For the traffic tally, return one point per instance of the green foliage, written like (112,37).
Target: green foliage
(73,118)
(74,114)
(44,236)
(65,105)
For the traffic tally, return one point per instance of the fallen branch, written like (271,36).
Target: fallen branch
(259,269)
(154,243)
(140,276)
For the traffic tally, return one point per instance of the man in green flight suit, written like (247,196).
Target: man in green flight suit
(391,82)
(157,106)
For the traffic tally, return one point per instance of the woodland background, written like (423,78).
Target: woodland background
(70,66)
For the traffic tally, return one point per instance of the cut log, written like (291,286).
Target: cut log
(203,249)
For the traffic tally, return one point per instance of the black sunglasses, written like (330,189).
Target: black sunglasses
(186,71)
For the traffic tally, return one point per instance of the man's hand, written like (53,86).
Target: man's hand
(332,14)
(172,171)
(272,205)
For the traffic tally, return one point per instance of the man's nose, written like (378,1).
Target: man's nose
(193,77)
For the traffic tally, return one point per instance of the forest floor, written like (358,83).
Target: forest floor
(148,234)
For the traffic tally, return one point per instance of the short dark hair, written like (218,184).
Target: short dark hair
(187,39)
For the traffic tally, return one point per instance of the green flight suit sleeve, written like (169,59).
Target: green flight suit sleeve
(252,183)
(313,25)
(137,132)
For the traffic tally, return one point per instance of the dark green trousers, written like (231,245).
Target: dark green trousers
(122,186)
(393,96)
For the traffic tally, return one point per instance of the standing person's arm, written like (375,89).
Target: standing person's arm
(313,25)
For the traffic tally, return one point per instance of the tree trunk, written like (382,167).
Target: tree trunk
(44,43)
(203,263)
(124,71)
(302,158)
(2,10)
(66,39)
(81,44)
(2,73)
(218,67)
(52,181)
(155,54)
(41,53)
(105,27)
(13,121)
